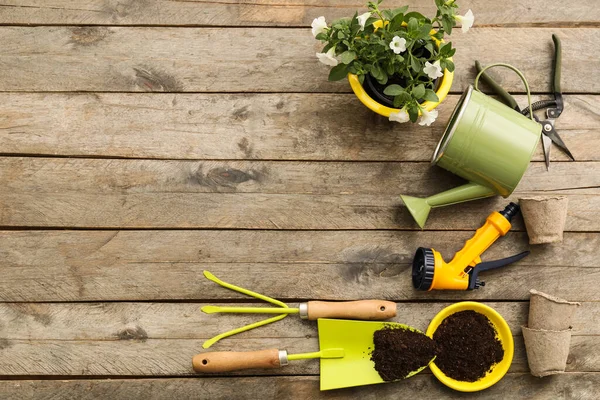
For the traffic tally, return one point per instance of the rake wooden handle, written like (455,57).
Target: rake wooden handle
(374,310)
(224,361)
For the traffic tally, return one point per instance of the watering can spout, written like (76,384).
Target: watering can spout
(420,207)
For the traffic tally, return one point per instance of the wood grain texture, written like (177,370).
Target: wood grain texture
(57,192)
(153,320)
(581,386)
(36,249)
(351,281)
(124,59)
(168,265)
(152,265)
(273,12)
(244,126)
(156,357)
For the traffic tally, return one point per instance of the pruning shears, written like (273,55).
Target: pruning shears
(553,107)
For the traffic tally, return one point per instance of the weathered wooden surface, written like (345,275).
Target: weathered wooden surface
(337,265)
(59,192)
(256,168)
(123,339)
(156,320)
(156,357)
(124,59)
(175,281)
(567,386)
(273,12)
(281,126)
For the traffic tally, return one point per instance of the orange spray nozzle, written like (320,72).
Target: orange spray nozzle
(430,271)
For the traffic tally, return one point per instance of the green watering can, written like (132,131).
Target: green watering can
(487,143)
(345,354)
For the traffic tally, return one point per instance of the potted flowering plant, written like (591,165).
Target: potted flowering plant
(396,61)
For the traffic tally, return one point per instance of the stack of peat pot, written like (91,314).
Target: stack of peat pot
(548,334)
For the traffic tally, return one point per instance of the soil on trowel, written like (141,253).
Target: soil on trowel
(468,346)
(398,352)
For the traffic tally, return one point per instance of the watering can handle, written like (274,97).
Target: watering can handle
(225,361)
(520,76)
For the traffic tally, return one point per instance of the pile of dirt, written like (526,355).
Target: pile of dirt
(398,352)
(468,346)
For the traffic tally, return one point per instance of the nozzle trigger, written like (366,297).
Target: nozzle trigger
(474,282)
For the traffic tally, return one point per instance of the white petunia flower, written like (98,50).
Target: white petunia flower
(398,44)
(362,19)
(427,117)
(328,58)
(318,26)
(433,70)
(400,116)
(466,20)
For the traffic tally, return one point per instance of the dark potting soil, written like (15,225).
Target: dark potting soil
(398,352)
(467,346)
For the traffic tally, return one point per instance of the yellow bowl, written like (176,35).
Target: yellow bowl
(504,335)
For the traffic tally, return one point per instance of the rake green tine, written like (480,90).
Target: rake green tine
(232,332)
(245,328)
(247,292)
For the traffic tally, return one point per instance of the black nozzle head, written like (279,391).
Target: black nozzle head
(423,268)
(510,211)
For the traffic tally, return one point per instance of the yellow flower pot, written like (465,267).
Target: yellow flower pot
(504,335)
(379,108)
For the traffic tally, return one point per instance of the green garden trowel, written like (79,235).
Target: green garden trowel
(345,355)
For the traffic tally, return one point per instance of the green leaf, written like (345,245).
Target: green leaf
(387,14)
(424,31)
(389,68)
(415,64)
(415,15)
(341,35)
(398,11)
(321,36)
(413,26)
(393,90)
(447,24)
(398,102)
(418,91)
(449,65)
(404,97)
(370,21)
(399,58)
(445,48)
(347,57)
(338,72)
(413,112)
(383,78)
(429,47)
(376,72)
(361,79)
(430,96)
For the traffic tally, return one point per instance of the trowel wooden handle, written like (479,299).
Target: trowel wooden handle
(224,361)
(362,309)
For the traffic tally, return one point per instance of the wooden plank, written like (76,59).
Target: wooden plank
(39,249)
(349,281)
(253,59)
(260,195)
(158,357)
(151,265)
(273,12)
(570,385)
(243,126)
(117,320)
